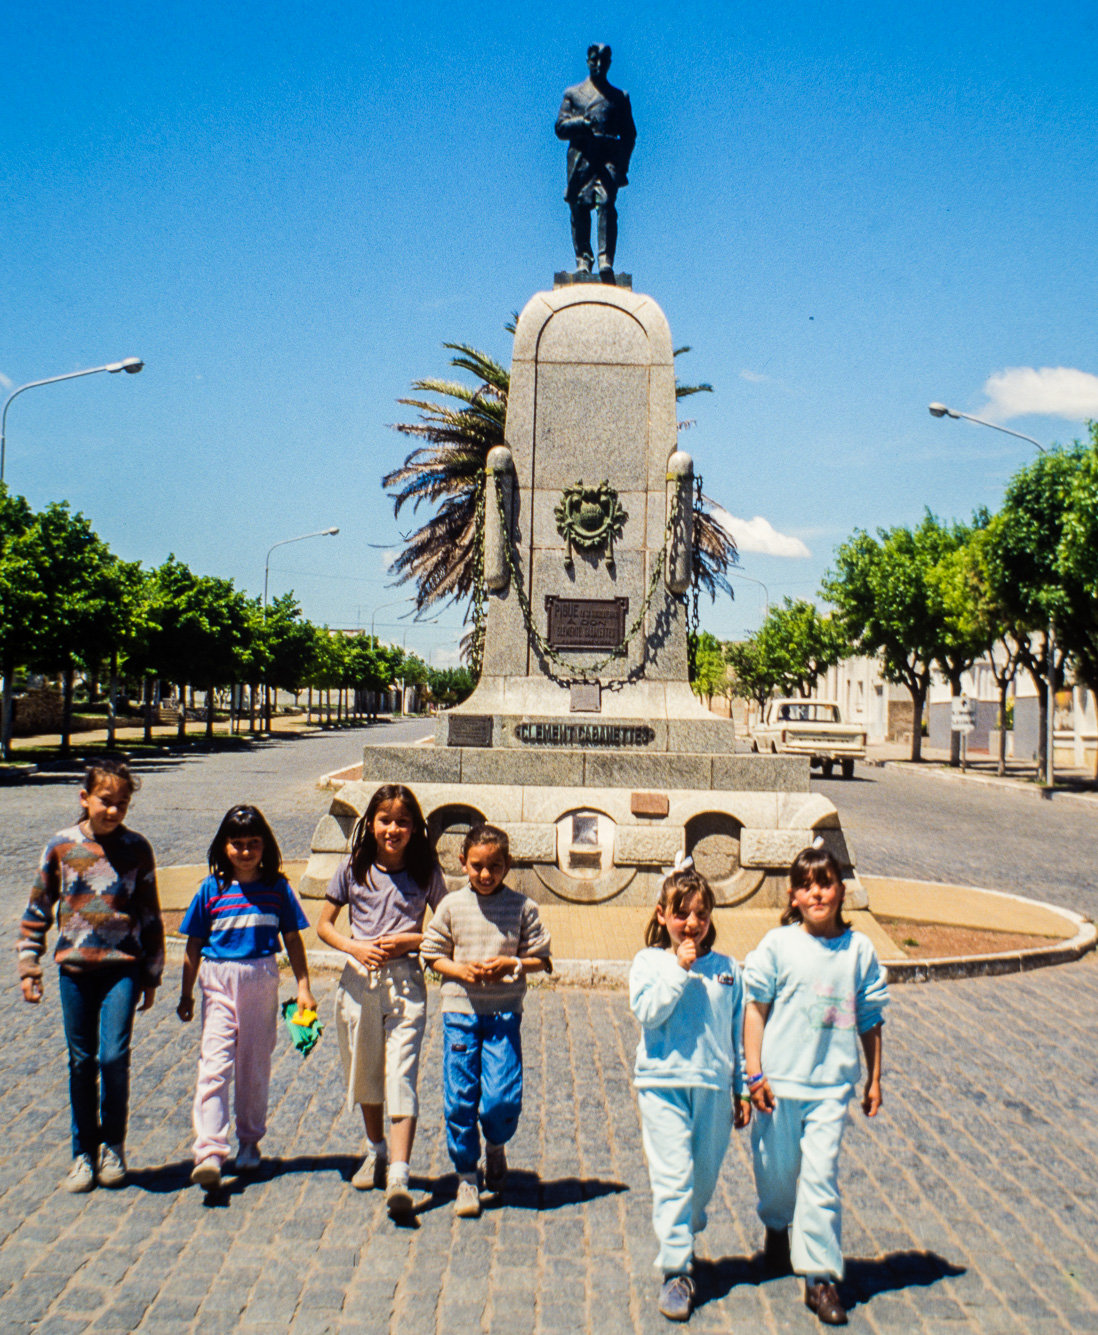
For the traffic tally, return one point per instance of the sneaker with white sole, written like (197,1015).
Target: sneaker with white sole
(248,1158)
(207,1174)
(467,1201)
(81,1176)
(112,1166)
(495,1169)
(371,1172)
(398,1199)
(677,1297)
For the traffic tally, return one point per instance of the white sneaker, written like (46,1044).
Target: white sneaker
(207,1174)
(81,1176)
(371,1173)
(248,1158)
(112,1166)
(398,1199)
(467,1202)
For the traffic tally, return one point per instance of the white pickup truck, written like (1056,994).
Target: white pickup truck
(812,728)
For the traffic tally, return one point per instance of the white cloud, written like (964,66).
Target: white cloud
(7,384)
(1053,391)
(754,377)
(759,535)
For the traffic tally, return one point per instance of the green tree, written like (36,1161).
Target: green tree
(708,670)
(447,687)
(799,645)
(75,575)
(754,676)
(22,598)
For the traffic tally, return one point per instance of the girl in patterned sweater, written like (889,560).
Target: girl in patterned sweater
(100,879)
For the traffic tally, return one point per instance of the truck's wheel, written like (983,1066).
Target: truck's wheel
(827,767)
(848,769)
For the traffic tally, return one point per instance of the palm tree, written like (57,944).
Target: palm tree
(447,470)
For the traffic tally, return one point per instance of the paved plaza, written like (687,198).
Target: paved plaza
(970,1203)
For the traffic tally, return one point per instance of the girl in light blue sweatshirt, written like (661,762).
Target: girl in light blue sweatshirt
(814,989)
(689,1071)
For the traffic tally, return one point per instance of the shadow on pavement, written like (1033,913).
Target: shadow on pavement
(177,1176)
(865,1278)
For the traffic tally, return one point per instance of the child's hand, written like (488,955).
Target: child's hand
(871,1098)
(741,1113)
(495,969)
(762,1096)
(148,996)
(32,990)
(185,1009)
(305,999)
(687,952)
(371,953)
(467,973)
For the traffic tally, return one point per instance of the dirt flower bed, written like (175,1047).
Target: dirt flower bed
(924,940)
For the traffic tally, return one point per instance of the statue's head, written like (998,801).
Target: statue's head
(598,58)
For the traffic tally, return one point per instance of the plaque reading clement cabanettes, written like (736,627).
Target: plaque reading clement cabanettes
(586,623)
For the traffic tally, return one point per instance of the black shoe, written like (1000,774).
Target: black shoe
(823,1299)
(776,1259)
(677,1297)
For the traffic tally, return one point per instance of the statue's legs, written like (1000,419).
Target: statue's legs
(608,234)
(581,236)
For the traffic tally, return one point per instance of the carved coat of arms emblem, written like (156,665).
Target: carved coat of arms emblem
(590,518)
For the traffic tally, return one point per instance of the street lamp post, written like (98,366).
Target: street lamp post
(320,533)
(940,410)
(738,574)
(129,364)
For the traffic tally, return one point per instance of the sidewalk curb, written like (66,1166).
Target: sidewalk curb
(988,780)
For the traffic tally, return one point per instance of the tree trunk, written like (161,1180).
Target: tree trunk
(66,711)
(209,713)
(954,737)
(918,702)
(1004,686)
(148,709)
(182,725)
(8,705)
(112,702)
(251,706)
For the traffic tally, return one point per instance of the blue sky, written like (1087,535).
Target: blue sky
(847,210)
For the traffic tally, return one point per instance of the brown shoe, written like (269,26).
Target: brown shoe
(776,1260)
(823,1299)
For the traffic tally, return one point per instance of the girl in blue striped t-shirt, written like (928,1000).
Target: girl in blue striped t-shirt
(232,929)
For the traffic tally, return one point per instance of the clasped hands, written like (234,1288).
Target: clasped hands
(383,949)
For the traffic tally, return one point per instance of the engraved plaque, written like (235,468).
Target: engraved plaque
(586,623)
(586,697)
(470,730)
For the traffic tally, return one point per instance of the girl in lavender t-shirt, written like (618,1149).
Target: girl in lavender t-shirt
(387,882)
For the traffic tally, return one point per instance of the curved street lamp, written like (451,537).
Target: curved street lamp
(320,533)
(940,410)
(129,364)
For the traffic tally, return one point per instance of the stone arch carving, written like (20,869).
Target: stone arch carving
(713,841)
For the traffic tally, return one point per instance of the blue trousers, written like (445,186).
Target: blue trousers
(481,1080)
(97,1007)
(685,1132)
(796,1154)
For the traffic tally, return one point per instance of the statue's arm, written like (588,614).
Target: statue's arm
(571,123)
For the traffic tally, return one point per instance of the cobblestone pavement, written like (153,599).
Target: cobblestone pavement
(970,1203)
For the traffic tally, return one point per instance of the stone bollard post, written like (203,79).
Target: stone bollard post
(679,561)
(500,469)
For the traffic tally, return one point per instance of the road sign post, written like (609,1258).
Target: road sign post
(962,719)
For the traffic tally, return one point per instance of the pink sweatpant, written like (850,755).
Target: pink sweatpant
(239,1030)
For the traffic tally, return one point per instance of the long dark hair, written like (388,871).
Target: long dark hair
(248,821)
(813,866)
(677,889)
(419,857)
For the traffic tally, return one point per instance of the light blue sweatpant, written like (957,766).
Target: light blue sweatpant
(796,1154)
(685,1133)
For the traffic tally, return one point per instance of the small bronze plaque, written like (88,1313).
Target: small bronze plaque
(649,804)
(586,623)
(586,697)
(470,730)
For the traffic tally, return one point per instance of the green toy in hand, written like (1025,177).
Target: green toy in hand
(304,1026)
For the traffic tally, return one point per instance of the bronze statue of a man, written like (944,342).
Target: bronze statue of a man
(597,121)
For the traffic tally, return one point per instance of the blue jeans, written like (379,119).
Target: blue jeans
(98,1008)
(481,1079)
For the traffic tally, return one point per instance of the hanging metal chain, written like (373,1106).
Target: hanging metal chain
(541,644)
(478,608)
(694,619)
